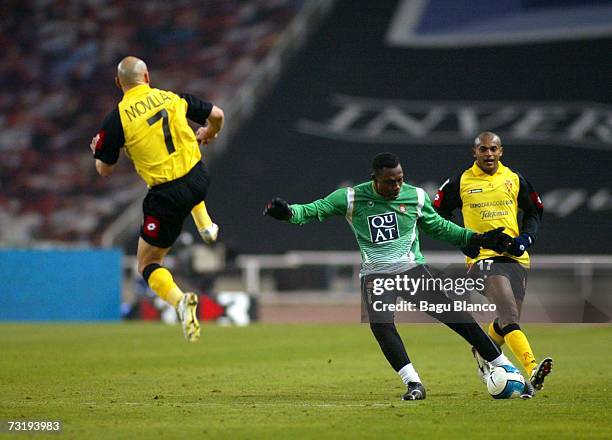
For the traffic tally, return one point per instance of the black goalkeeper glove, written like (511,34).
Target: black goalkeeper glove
(471,251)
(494,239)
(520,244)
(279,209)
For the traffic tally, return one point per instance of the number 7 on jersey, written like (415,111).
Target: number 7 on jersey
(163,115)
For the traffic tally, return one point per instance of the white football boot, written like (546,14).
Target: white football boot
(209,235)
(187,310)
(483,366)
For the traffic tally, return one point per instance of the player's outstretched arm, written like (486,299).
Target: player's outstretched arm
(278,208)
(334,204)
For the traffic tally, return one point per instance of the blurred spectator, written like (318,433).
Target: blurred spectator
(53,90)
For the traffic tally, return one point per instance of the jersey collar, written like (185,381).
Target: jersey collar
(136,90)
(479,173)
(374,192)
(380,197)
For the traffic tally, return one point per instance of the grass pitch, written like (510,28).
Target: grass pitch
(289,381)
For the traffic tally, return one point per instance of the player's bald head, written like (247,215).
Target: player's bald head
(132,71)
(487,137)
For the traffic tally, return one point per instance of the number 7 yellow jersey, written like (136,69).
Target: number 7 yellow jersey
(151,124)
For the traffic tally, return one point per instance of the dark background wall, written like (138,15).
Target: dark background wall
(272,156)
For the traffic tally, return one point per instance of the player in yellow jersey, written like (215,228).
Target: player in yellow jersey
(490,195)
(151,126)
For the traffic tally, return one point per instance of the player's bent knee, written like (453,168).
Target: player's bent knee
(508,319)
(509,327)
(144,263)
(147,270)
(142,267)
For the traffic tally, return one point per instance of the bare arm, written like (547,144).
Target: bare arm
(215,121)
(104,169)
(205,113)
(106,144)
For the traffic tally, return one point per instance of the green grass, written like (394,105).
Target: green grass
(289,381)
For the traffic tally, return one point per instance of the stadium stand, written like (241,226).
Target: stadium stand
(58,65)
(365,82)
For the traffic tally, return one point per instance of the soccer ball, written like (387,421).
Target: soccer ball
(505,382)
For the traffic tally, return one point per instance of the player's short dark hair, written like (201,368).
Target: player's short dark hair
(384,160)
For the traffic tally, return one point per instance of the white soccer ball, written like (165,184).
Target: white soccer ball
(505,382)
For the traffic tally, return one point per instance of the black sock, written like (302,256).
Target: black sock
(474,335)
(391,344)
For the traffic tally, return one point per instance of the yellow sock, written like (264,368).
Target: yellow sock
(201,217)
(162,283)
(517,341)
(497,338)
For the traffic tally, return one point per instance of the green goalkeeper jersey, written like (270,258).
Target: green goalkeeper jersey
(387,231)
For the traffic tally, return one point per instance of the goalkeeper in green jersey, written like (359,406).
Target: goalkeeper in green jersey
(384,214)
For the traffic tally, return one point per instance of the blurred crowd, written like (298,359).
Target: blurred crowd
(57,71)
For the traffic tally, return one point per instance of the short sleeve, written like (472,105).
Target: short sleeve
(197,110)
(111,139)
(448,198)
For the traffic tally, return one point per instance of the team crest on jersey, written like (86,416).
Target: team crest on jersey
(509,185)
(402,208)
(370,204)
(383,227)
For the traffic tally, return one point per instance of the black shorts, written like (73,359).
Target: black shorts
(168,204)
(506,267)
